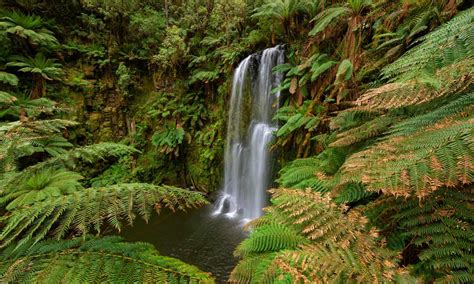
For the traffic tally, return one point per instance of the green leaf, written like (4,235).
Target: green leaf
(8,78)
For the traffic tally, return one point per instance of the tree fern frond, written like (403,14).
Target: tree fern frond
(255,269)
(450,79)
(440,228)
(364,132)
(90,209)
(326,17)
(338,247)
(455,35)
(6,98)
(298,171)
(458,107)
(70,160)
(352,192)
(434,157)
(269,238)
(46,184)
(351,118)
(94,260)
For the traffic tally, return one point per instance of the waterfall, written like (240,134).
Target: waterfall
(250,128)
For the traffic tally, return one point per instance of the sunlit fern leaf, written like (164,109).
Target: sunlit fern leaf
(94,260)
(451,79)
(339,246)
(269,238)
(364,262)
(340,243)
(315,216)
(90,209)
(434,157)
(454,35)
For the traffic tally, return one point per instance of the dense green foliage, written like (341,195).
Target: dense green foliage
(402,154)
(102,102)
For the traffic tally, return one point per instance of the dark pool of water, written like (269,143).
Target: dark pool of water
(195,237)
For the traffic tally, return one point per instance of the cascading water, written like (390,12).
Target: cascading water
(247,169)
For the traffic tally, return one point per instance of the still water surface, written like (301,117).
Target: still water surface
(195,237)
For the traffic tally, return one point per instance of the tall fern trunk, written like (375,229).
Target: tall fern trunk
(352,41)
(39,88)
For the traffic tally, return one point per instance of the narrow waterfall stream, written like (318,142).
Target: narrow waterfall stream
(247,170)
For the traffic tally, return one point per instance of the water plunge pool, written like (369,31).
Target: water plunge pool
(195,237)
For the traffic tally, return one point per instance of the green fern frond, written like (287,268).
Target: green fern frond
(448,80)
(337,247)
(352,192)
(458,107)
(94,260)
(452,42)
(6,98)
(364,132)
(258,268)
(8,78)
(298,171)
(71,159)
(46,184)
(434,157)
(327,17)
(90,209)
(269,238)
(440,228)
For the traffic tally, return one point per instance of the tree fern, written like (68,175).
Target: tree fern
(94,260)
(456,108)
(336,247)
(298,171)
(448,80)
(364,132)
(28,27)
(439,229)
(46,184)
(326,17)
(452,42)
(70,160)
(351,192)
(255,269)
(91,209)
(269,238)
(432,158)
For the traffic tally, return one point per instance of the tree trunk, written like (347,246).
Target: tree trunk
(39,88)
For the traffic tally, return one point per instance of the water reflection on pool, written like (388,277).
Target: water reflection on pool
(196,237)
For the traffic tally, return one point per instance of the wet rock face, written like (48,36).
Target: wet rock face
(107,119)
